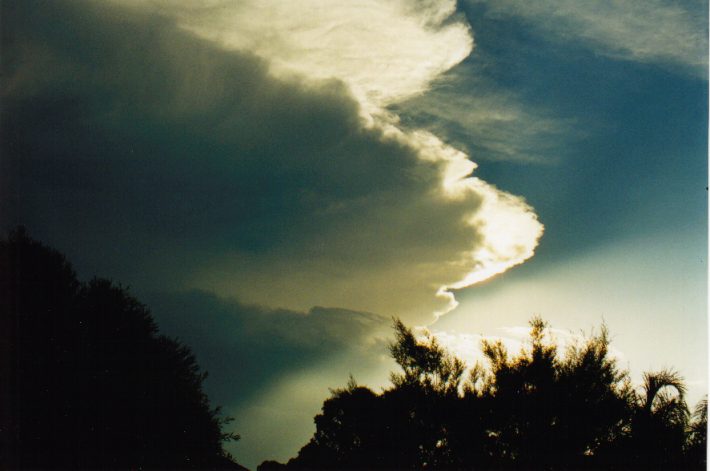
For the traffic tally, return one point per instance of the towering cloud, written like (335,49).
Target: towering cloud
(244,149)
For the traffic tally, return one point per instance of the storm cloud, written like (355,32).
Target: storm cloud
(168,160)
(238,163)
(248,349)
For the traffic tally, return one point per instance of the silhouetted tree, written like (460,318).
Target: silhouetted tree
(423,400)
(424,363)
(537,410)
(552,412)
(659,422)
(696,444)
(348,432)
(271,465)
(524,388)
(92,383)
(405,427)
(595,403)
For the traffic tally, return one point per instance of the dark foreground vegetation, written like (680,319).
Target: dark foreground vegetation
(537,410)
(88,382)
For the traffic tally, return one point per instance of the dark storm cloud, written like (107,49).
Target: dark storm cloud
(163,160)
(116,111)
(247,349)
(270,369)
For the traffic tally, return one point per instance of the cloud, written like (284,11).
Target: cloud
(652,31)
(247,348)
(165,159)
(467,108)
(384,51)
(270,369)
(645,300)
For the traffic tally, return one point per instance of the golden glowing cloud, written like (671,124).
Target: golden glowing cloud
(384,52)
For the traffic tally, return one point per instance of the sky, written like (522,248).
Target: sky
(277,179)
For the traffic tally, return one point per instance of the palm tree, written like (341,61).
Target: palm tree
(656,398)
(660,421)
(696,443)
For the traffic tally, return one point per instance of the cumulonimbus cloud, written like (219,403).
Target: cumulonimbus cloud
(211,150)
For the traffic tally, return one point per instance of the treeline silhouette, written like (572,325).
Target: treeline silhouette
(88,382)
(537,410)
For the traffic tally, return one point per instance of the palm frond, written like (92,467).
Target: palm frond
(653,383)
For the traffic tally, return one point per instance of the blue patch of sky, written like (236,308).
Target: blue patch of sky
(636,163)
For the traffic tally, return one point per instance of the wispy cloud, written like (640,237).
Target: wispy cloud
(490,122)
(659,31)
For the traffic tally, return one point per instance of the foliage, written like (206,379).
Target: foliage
(92,383)
(696,445)
(425,365)
(537,410)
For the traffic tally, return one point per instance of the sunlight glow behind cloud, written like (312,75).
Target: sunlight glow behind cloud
(386,52)
(279,155)
(312,191)
(644,300)
(515,339)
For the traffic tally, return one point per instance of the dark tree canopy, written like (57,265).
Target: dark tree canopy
(90,381)
(537,410)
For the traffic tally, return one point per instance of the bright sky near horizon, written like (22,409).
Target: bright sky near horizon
(276,179)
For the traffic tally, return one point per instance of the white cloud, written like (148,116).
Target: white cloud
(658,31)
(384,50)
(509,229)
